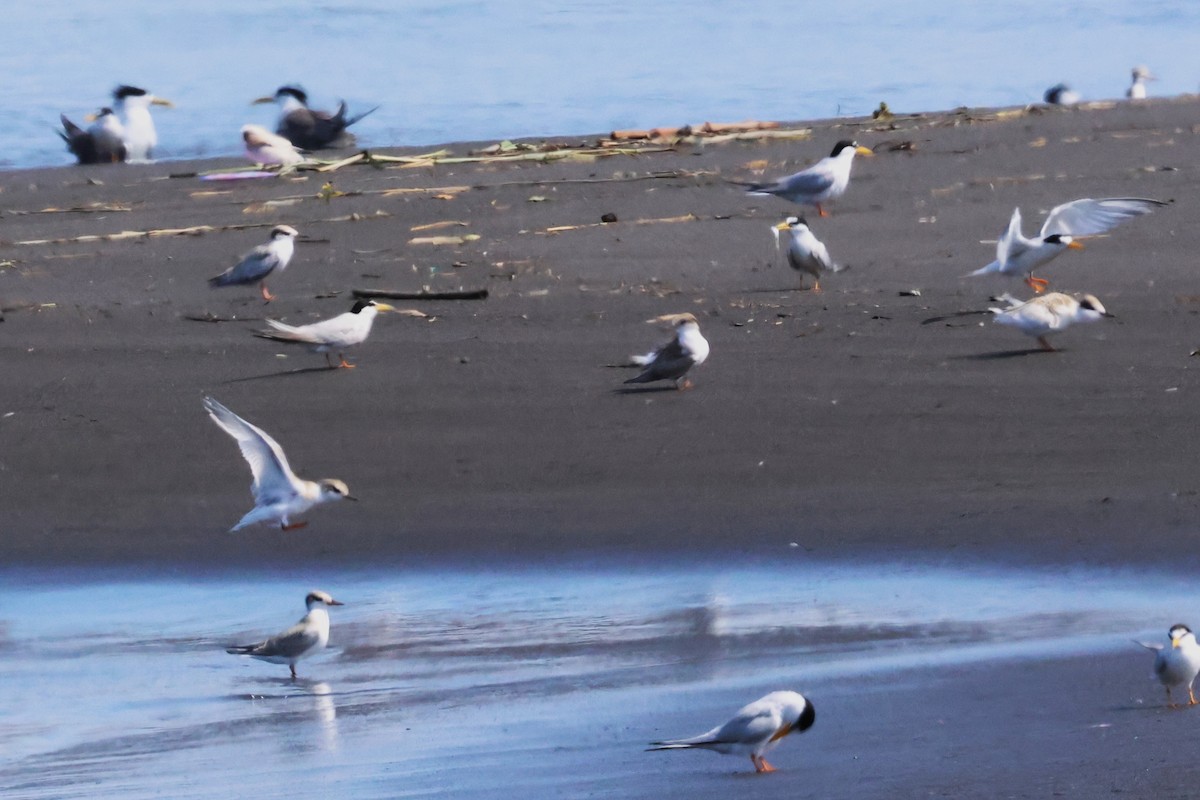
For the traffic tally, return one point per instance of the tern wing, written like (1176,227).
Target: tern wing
(268,464)
(254,266)
(343,329)
(670,361)
(1089,217)
(1009,245)
(295,641)
(813,180)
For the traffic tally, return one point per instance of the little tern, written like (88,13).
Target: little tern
(1049,313)
(754,730)
(823,181)
(1179,665)
(336,334)
(1016,254)
(278,493)
(806,253)
(307,637)
(264,147)
(672,360)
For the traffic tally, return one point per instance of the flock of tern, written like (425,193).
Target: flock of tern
(280,496)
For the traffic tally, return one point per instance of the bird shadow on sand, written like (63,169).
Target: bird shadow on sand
(644,389)
(1003,354)
(287,373)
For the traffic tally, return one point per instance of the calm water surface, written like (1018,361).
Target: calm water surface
(465,70)
(119,687)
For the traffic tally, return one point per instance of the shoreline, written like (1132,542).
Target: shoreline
(836,421)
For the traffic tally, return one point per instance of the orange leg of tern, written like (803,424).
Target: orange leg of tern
(684,385)
(762,765)
(345,364)
(1049,348)
(1191,697)
(292,526)
(816,287)
(1037,284)
(821,212)
(266,294)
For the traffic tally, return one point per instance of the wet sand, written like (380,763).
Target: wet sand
(832,425)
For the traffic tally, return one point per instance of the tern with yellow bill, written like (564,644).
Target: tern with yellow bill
(330,335)
(824,181)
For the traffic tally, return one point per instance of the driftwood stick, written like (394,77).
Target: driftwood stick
(387,294)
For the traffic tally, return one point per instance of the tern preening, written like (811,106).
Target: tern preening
(330,335)
(307,637)
(278,493)
(258,264)
(307,128)
(754,729)
(267,149)
(823,181)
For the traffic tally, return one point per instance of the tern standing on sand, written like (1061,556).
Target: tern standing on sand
(1180,664)
(329,335)
(806,253)
(754,730)
(141,137)
(673,360)
(307,637)
(278,493)
(823,181)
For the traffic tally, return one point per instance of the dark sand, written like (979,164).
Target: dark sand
(836,421)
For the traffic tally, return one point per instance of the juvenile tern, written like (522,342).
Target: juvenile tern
(1061,95)
(1137,90)
(307,637)
(1179,665)
(304,127)
(256,265)
(140,136)
(754,729)
(326,336)
(672,360)
(264,147)
(825,180)
(278,493)
(806,253)
(1049,313)
(102,143)
(1017,254)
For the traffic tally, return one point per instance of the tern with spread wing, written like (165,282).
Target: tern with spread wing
(754,729)
(1016,254)
(330,335)
(307,637)
(103,142)
(278,493)
(823,181)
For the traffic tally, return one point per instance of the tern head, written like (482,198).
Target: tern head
(285,95)
(132,95)
(855,147)
(807,717)
(1142,73)
(279,231)
(1063,240)
(333,489)
(317,597)
(1089,303)
(792,223)
(1179,633)
(365,304)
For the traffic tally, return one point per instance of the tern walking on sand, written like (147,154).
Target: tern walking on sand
(330,335)
(1017,254)
(306,128)
(1179,665)
(823,181)
(278,493)
(307,637)
(1048,313)
(754,729)
(806,253)
(256,265)
(672,360)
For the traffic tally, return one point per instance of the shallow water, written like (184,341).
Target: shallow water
(118,686)
(470,70)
